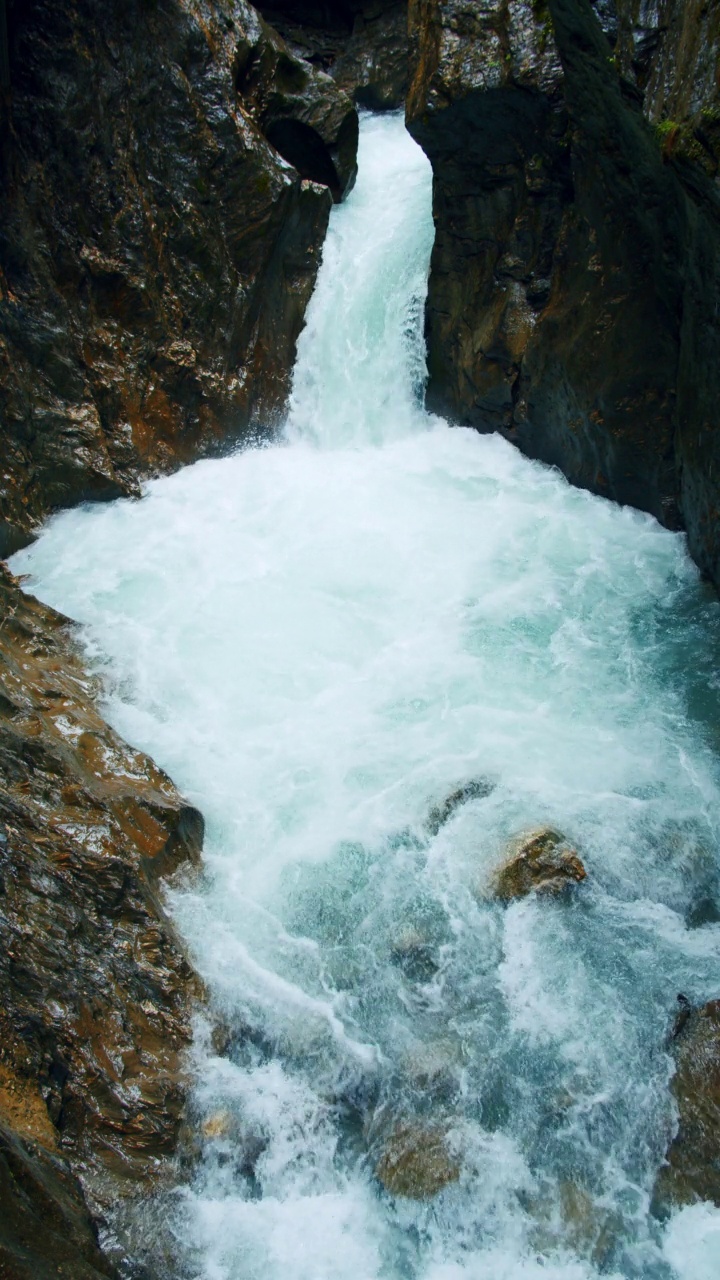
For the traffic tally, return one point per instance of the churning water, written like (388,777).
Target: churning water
(320,640)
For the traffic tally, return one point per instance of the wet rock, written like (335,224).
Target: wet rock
(476,789)
(95,990)
(413,952)
(570,1215)
(692,1171)
(417,1162)
(155,265)
(670,52)
(45,1227)
(219,1125)
(433,1067)
(540,862)
(577,252)
(302,113)
(362,44)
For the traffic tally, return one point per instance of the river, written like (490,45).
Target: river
(322,638)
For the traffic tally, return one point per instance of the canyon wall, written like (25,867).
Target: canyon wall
(166,176)
(572,302)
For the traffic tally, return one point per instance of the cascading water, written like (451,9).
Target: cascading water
(322,639)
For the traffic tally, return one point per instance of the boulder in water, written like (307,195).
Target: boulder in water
(475,789)
(692,1171)
(416,1162)
(540,861)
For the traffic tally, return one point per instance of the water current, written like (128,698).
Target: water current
(321,639)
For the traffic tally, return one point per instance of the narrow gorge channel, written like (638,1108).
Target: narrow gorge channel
(321,640)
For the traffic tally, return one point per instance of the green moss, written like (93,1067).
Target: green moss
(679,141)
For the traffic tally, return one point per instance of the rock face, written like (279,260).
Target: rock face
(692,1171)
(95,992)
(362,44)
(540,862)
(669,49)
(577,256)
(156,251)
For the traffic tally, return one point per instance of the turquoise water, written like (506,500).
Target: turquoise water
(320,640)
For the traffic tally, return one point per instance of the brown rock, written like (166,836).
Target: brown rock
(155,264)
(416,1162)
(571,1216)
(540,862)
(95,990)
(692,1171)
(45,1228)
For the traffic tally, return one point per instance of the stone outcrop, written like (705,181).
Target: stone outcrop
(362,44)
(95,991)
(692,1171)
(157,251)
(577,258)
(538,862)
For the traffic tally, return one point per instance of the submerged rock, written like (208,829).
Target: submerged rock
(95,990)
(540,862)
(413,952)
(475,789)
(568,1214)
(417,1162)
(692,1171)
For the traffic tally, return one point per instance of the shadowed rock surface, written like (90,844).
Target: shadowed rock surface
(692,1171)
(95,991)
(45,1229)
(157,253)
(577,259)
(362,44)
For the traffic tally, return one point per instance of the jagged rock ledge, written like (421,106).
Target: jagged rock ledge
(96,992)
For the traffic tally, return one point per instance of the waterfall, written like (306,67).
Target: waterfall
(322,639)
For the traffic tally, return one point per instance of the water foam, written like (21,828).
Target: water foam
(319,640)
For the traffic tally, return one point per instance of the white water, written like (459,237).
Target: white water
(321,639)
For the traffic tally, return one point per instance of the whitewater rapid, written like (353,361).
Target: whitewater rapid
(319,640)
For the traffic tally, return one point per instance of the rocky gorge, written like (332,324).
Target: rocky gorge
(168,174)
(573,287)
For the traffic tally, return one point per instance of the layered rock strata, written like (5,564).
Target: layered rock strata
(573,286)
(95,991)
(166,176)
